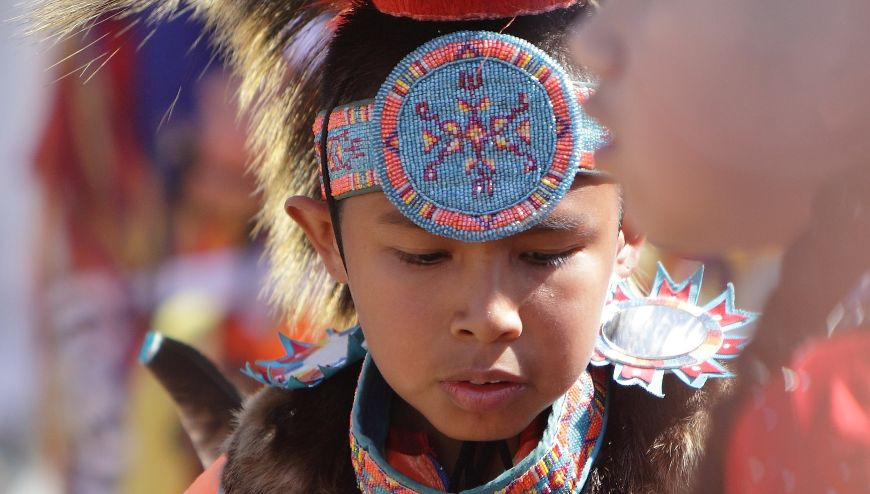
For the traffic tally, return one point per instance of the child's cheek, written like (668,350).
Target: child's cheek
(563,322)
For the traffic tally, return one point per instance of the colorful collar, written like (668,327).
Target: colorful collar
(560,463)
(474,135)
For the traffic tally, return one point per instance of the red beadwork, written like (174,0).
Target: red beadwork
(431,10)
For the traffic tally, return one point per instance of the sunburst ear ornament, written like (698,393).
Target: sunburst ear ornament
(645,337)
(306,365)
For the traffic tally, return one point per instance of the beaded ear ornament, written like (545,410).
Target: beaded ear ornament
(474,136)
(667,331)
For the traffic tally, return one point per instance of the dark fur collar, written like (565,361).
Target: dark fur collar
(297,441)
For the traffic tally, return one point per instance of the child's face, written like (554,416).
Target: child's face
(440,315)
(727,115)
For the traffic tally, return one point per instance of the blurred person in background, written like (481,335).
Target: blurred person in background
(205,291)
(744,124)
(100,220)
(146,222)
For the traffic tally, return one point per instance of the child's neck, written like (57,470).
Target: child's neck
(446,449)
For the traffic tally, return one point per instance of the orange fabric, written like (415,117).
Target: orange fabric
(209,482)
(808,430)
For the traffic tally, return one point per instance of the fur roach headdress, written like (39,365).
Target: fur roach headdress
(277,48)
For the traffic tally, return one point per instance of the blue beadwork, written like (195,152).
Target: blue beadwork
(350,155)
(470,126)
(480,135)
(473,136)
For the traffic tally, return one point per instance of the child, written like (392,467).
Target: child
(755,134)
(460,207)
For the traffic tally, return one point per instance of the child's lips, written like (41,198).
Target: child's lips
(483,393)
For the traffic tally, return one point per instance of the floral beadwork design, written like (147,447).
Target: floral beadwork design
(471,130)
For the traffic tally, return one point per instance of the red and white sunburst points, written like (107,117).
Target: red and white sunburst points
(668,332)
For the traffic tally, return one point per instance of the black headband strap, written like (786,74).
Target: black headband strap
(324,172)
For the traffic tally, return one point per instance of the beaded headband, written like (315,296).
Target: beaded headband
(474,136)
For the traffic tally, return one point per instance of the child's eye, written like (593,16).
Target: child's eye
(426,259)
(547,259)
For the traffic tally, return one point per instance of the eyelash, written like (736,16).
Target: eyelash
(538,258)
(428,259)
(555,260)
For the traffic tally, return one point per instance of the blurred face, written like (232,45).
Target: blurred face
(479,338)
(728,115)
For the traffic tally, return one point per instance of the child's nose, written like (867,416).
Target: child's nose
(488,314)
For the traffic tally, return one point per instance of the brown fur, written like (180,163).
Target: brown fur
(654,445)
(297,441)
(294,441)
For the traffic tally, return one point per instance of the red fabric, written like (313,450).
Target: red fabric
(89,161)
(808,431)
(410,453)
(210,480)
(431,10)
(530,437)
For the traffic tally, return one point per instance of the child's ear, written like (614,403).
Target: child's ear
(630,245)
(313,217)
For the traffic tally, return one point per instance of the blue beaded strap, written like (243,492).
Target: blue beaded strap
(473,136)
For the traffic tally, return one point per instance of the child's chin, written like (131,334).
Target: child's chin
(483,428)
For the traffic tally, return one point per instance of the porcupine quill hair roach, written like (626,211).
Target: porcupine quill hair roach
(257,39)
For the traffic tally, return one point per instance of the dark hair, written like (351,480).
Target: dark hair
(368,44)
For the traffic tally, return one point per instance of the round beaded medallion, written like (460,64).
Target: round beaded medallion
(480,135)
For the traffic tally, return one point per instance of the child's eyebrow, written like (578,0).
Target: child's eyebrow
(394,217)
(561,223)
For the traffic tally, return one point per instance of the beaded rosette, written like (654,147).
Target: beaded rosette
(668,331)
(473,136)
